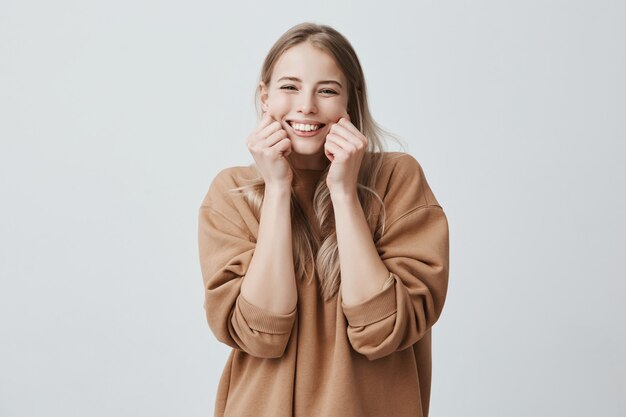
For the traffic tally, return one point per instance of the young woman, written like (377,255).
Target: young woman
(325,262)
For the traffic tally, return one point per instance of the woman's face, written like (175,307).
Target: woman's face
(306,86)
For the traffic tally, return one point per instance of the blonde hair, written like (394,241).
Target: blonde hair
(305,242)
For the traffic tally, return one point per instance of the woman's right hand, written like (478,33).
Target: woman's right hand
(269,145)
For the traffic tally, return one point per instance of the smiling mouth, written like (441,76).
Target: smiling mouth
(300,127)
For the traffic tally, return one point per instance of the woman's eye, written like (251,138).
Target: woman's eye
(291,87)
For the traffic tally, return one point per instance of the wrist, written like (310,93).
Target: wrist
(344,197)
(277,189)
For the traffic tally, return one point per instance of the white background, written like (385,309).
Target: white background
(116,115)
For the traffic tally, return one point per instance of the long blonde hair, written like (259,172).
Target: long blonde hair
(306,245)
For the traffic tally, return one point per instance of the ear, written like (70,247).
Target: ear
(263,95)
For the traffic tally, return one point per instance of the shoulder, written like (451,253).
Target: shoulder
(225,180)
(404,181)
(401,165)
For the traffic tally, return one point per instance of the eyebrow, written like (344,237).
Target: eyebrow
(319,82)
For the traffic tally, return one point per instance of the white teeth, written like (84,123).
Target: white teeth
(305,128)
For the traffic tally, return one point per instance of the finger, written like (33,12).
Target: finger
(288,151)
(345,123)
(273,138)
(273,127)
(331,150)
(283,148)
(343,132)
(340,142)
(265,121)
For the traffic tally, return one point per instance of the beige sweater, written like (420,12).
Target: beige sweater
(326,359)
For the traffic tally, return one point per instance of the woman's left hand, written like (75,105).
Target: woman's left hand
(345,146)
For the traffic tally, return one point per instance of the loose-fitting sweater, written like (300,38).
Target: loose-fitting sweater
(326,359)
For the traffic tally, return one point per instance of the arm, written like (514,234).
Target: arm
(363,273)
(226,248)
(270,282)
(413,251)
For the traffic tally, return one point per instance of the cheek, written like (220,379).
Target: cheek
(337,109)
(280,105)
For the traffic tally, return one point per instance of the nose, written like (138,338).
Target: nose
(307,103)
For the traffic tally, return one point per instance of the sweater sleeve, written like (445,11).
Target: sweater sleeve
(226,248)
(415,249)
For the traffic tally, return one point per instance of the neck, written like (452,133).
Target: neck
(314,162)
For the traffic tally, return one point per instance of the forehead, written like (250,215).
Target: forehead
(308,63)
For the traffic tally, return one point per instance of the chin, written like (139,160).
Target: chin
(303,147)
